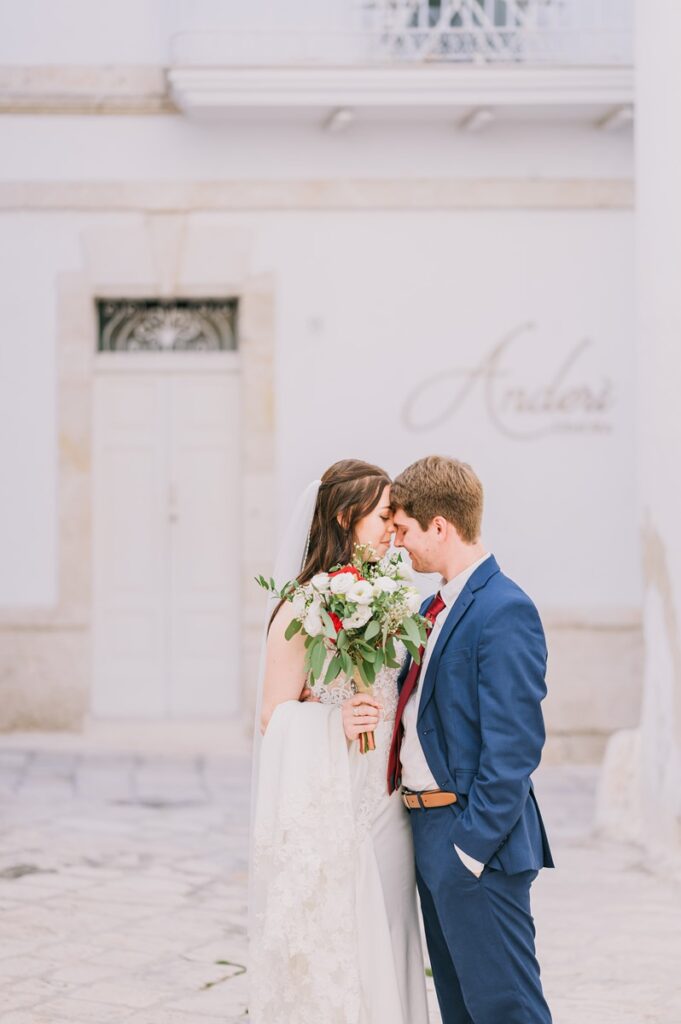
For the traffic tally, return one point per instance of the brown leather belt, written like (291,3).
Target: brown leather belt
(431,798)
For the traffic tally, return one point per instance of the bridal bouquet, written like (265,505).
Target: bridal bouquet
(355,613)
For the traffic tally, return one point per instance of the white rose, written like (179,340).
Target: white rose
(384,585)
(320,582)
(404,571)
(413,601)
(342,583)
(358,618)
(298,604)
(360,592)
(312,623)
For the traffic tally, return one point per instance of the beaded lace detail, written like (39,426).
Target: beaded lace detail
(342,687)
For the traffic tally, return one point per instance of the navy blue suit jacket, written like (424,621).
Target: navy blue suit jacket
(480,722)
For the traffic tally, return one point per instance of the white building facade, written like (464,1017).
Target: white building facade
(383,234)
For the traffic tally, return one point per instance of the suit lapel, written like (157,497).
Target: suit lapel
(463,602)
(458,609)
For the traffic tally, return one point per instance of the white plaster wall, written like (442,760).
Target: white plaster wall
(657,750)
(138,31)
(371,304)
(368,304)
(170,148)
(33,250)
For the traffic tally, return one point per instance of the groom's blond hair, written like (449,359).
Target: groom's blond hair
(440,486)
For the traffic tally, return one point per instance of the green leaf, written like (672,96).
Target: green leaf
(317,659)
(367,672)
(413,650)
(346,661)
(294,626)
(329,628)
(334,669)
(372,630)
(379,662)
(342,639)
(368,653)
(412,630)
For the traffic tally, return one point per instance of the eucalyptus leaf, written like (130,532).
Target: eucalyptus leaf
(329,628)
(413,650)
(372,630)
(412,630)
(294,626)
(333,669)
(346,661)
(317,660)
(369,673)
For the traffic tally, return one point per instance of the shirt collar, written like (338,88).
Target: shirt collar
(451,589)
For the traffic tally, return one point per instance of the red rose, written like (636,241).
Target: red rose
(348,568)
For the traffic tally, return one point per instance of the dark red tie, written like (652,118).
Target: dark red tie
(408,687)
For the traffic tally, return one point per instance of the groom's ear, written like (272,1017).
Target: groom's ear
(441,525)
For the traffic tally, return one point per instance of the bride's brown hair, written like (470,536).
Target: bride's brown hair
(349,491)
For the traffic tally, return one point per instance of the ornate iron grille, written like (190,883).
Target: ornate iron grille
(160,325)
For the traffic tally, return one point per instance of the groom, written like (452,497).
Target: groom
(468,735)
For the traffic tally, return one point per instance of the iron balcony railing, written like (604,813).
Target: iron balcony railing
(558,32)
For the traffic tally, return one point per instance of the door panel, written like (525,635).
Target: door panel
(166,623)
(204,551)
(130,540)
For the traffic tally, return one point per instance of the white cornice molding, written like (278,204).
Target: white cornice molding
(375,194)
(220,88)
(153,90)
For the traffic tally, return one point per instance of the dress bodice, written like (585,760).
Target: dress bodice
(370,769)
(342,687)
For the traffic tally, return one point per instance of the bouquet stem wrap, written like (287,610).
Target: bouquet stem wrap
(366,739)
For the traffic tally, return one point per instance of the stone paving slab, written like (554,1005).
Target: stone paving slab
(123,894)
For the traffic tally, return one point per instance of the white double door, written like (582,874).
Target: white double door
(166,544)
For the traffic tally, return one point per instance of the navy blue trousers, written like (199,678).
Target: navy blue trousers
(480,932)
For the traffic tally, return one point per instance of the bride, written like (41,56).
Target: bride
(334,931)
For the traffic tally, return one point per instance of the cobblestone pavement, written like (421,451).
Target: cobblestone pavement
(123,885)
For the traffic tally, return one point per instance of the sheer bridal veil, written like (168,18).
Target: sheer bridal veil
(288,564)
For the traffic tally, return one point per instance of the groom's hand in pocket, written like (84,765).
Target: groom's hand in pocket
(360,714)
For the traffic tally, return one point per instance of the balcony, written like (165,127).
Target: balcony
(417,56)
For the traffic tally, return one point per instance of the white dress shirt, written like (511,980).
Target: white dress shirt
(416,774)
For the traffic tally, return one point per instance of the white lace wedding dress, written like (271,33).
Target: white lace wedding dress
(335,934)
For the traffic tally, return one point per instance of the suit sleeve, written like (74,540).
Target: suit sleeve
(511,687)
